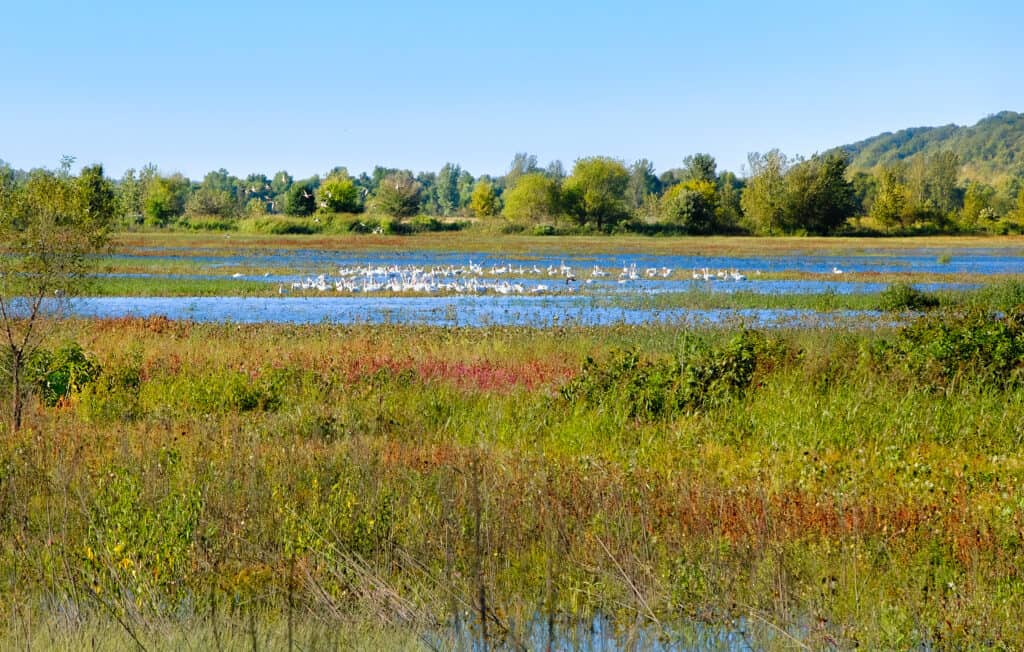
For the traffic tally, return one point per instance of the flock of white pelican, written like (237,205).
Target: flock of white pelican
(475,278)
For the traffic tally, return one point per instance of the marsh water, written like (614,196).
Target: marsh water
(598,293)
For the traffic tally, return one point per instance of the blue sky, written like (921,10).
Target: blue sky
(304,86)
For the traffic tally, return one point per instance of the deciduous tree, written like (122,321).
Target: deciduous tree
(50,227)
(484,201)
(534,198)
(398,195)
(764,197)
(595,193)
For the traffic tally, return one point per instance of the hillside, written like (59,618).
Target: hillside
(989,151)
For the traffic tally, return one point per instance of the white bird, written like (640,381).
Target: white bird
(836,270)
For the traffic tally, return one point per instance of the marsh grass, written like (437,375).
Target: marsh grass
(414,487)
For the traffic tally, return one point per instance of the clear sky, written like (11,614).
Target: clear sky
(304,86)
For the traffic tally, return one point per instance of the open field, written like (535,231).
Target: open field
(413,487)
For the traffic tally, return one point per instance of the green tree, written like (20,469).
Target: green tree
(339,194)
(764,197)
(642,184)
(533,199)
(281,182)
(729,212)
(522,164)
(978,211)
(398,195)
(300,198)
(700,167)
(819,199)
(129,197)
(465,188)
(484,201)
(932,184)
(216,195)
(448,200)
(164,198)
(691,205)
(891,199)
(595,193)
(51,227)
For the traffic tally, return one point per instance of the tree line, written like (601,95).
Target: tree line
(777,194)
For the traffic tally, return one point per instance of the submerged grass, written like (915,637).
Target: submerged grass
(223,485)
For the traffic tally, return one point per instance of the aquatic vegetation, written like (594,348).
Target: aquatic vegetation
(899,297)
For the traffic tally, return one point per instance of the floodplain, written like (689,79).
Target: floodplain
(827,453)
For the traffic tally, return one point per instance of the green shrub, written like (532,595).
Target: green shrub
(1003,296)
(649,388)
(278,225)
(900,297)
(115,395)
(58,374)
(207,223)
(975,346)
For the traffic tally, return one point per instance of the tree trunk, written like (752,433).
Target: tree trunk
(16,405)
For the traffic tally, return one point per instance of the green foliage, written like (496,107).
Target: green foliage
(484,200)
(339,194)
(651,388)
(51,226)
(595,193)
(764,197)
(974,346)
(164,199)
(398,195)
(700,167)
(899,297)
(989,150)
(891,200)
(221,391)
(533,198)
(818,197)
(692,206)
(277,225)
(207,201)
(447,186)
(114,396)
(643,184)
(207,223)
(142,544)
(300,199)
(60,373)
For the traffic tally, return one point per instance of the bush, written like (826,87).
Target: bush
(278,225)
(648,388)
(207,223)
(976,347)
(1001,297)
(58,374)
(901,297)
(115,395)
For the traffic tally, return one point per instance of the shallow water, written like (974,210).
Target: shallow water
(537,311)
(543,296)
(987,261)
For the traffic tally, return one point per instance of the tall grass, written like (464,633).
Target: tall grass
(231,486)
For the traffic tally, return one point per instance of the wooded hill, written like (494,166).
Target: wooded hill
(991,151)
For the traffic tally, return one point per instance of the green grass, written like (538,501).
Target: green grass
(852,488)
